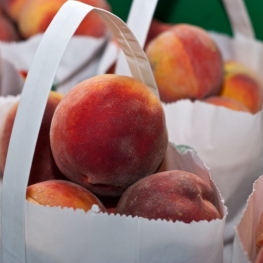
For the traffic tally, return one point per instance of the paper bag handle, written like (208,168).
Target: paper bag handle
(141,14)
(31,109)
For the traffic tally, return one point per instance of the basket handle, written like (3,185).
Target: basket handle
(31,109)
(141,13)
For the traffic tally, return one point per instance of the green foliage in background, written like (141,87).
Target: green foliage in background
(208,14)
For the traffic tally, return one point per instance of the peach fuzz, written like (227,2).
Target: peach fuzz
(43,166)
(108,132)
(171,195)
(13,8)
(186,63)
(242,84)
(8,32)
(36,15)
(227,103)
(62,193)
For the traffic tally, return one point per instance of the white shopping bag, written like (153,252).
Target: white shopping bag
(79,62)
(245,250)
(230,143)
(32,233)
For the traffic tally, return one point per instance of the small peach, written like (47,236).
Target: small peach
(186,63)
(242,84)
(62,193)
(226,102)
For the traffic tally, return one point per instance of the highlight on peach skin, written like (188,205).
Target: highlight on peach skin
(108,132)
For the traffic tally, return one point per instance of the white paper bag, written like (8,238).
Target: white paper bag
(32,233)
(245,237)
(79,62)
(230,143)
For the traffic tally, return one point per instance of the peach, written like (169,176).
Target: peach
(43,165)
(7,30)
(242,84)
(108,132)
(13,8)
(171,195)
(226,102)
(186,63)
(62,193)
(36,15)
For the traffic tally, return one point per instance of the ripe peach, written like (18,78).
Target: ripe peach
(226,102)
(62,193)
(13,8)
(171,195)
(108,132)
(7,30)
(186,63)
(36,15)
(43,165)
(242,84)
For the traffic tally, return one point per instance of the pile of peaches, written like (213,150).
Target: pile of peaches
(22,19)
(187,64)
(104,143)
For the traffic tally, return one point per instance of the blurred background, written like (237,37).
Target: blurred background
(209,14)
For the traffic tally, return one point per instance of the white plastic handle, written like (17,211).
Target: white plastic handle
(141,14)
(31,109)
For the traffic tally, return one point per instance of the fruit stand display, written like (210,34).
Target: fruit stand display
(193,116)
(55,234)
(128,151)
